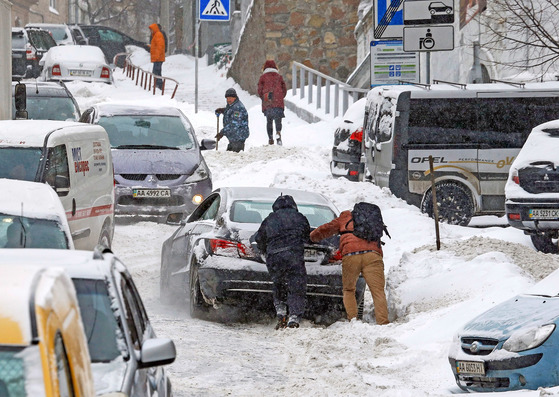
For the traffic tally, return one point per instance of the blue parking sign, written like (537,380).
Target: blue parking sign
(215,10)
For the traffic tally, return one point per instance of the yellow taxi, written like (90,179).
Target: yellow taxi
(43,348)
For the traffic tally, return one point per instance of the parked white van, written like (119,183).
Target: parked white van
(75,159)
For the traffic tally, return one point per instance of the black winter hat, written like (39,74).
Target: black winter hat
(231,93)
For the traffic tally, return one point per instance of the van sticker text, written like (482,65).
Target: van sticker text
(419,160)
(79,164)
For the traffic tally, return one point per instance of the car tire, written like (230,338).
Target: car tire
(432,12)
(543,242)
(455,204)
(196,302)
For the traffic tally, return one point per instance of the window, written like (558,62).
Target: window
(52,4)
(57,173)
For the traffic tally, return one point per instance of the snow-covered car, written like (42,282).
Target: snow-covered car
(346,153)
(532,189)
(32,216)
(158,163)
(126,356)
(513,345)
(75,62)
(48,101)
(28,47)
(211,259)
(60,32)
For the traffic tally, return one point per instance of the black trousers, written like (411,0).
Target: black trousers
(289,276)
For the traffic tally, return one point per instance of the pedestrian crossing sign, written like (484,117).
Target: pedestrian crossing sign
(215,10)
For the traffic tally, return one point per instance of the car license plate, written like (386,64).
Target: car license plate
(470,367)
(151,193)
(552,213)
(17,56)
(83,73)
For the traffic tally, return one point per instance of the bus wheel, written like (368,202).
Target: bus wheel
(543,242)
(455,204)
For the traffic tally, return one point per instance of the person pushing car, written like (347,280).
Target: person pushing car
(282,237)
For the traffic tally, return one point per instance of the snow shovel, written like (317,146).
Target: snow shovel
(217,133)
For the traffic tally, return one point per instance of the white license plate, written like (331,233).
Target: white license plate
(86,73)
(552,213)
(470,367)
(151,193)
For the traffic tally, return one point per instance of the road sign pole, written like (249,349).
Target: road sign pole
(428,67)
(196,33)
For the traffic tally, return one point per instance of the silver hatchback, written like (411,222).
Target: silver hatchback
(159,167)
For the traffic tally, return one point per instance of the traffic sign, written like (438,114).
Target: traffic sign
(420,12)
(391,65)
(388,19)
(433,38)
(215,10)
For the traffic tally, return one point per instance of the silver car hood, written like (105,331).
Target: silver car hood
(520,312)
(155,161)
(108,377)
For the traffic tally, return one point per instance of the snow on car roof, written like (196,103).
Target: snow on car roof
(272,193)
(540,145)
(112,108)
(30,199)
(32,133)
(77,263)
(75,53)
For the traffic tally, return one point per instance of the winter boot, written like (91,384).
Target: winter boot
(282,322)
(270,141)
(278,138)
(293,321)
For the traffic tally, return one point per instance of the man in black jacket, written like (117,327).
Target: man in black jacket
(282,236)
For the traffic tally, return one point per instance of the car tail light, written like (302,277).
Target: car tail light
(336,256)
(353,173)
(55,71)
(515,177)
(30,52)
(105,73)
(229,248)
(514,216)
(357,135)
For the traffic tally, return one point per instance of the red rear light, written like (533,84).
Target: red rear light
(353,173)
(336,256)
(55,71)
(30,53)
(514,217)
(105,73)
(357,135)
(516,179)
(229,248)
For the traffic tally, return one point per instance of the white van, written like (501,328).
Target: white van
(473,132)
(75,159)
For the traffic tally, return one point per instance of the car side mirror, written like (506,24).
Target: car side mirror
(20,99)
(207,144)
(157,351)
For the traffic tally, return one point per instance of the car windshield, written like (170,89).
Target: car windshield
(58,33)
(19,163)
(49,108)
(147,131)
(248,211)
(100,324)
(23,232)
(20,371)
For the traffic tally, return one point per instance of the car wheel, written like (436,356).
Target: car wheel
(432,12)
(455,204)
(196,302)
(448,10)
(543,242)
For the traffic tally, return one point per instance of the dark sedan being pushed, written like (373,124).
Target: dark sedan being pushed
(210,258)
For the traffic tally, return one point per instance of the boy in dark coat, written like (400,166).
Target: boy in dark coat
(272,90)
(282,236)
(235,122)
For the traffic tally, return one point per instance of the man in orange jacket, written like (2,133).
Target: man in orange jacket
(157,52)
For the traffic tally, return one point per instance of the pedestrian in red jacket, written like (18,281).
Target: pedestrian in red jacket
(272,90)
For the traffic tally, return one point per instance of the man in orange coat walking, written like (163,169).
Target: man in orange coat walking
(157,52)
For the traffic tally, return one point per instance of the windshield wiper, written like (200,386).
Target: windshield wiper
(145,147)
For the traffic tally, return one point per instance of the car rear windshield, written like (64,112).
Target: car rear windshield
(24,232)
(100,324)
(18,40)
(167,131)
(49,108)
(247,211)
(19,163)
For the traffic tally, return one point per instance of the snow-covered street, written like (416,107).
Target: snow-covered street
(430,293)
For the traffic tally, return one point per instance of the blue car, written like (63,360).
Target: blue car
(512,346)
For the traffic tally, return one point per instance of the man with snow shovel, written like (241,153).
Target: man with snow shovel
(235,122)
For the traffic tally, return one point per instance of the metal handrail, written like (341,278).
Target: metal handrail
(147,80)
(312,81)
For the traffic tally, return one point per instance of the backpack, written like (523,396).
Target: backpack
(367,222)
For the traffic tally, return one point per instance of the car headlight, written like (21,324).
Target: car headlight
(200,173)
(528,339)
